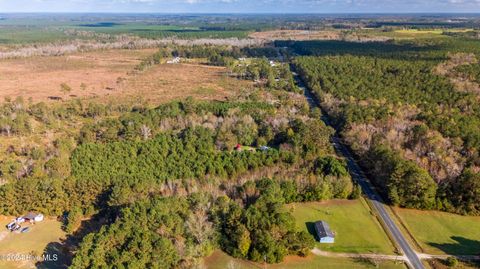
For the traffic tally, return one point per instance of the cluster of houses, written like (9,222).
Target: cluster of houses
(243,59)
(30,217)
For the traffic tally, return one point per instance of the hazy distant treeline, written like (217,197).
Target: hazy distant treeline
(122,42)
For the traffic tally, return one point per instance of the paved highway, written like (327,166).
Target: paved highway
(375,199)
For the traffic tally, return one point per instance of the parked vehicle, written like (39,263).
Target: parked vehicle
(25,230)
(11,225)
(20,220)
(16,228)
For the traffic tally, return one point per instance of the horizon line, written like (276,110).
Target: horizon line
(245,13)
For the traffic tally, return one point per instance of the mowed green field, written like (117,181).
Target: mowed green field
(220,260)
(443,233)
(356,229)
(33,242)
(409,34)
(25,35)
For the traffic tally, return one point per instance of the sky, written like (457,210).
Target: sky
(242,6)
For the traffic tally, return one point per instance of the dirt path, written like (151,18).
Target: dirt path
(443,257)
(422,256)
(3,235)
(319,252)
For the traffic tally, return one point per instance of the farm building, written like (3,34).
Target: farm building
(324,233)
(33,217)
(175,60)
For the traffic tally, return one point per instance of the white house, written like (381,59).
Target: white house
(33,217)
(175,60)
(324,233)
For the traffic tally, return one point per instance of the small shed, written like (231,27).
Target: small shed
(325,235)
(264,148)
(33,217)
(175,60)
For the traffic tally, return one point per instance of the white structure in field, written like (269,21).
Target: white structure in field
(33,217)
(175,60)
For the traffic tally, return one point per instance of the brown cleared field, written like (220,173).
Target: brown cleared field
(111,74)
(296,35)
(302,35)
(166,82)
(40,77)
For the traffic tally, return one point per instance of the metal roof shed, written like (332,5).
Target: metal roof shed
(325,235)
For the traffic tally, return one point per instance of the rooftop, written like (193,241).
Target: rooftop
(323,229)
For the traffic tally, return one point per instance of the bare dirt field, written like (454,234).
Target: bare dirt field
(296,35)
(40,78)
(166,82)
(110,74)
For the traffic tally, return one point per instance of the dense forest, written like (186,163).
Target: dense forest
(413,130)
(173,232)
(469,71)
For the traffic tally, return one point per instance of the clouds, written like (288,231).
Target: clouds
(245,6)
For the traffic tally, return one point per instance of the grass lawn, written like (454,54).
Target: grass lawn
(443,233)
(33,242)
(220,260)
(356,229)
(416,33)
(420,32)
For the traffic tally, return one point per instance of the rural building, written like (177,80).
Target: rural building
(175,60)
(324,233)
(238,147)
(33,217)
(264,148)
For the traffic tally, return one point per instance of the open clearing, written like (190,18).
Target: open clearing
(356,229)
(431,31)
(33,242)
(220,260)
(443,233)
(106,74)
(165,82)
(40,77)
(296,35)
(419,32)
(415,33)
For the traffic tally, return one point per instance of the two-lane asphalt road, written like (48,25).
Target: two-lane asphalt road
(376,201)
(379,207)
